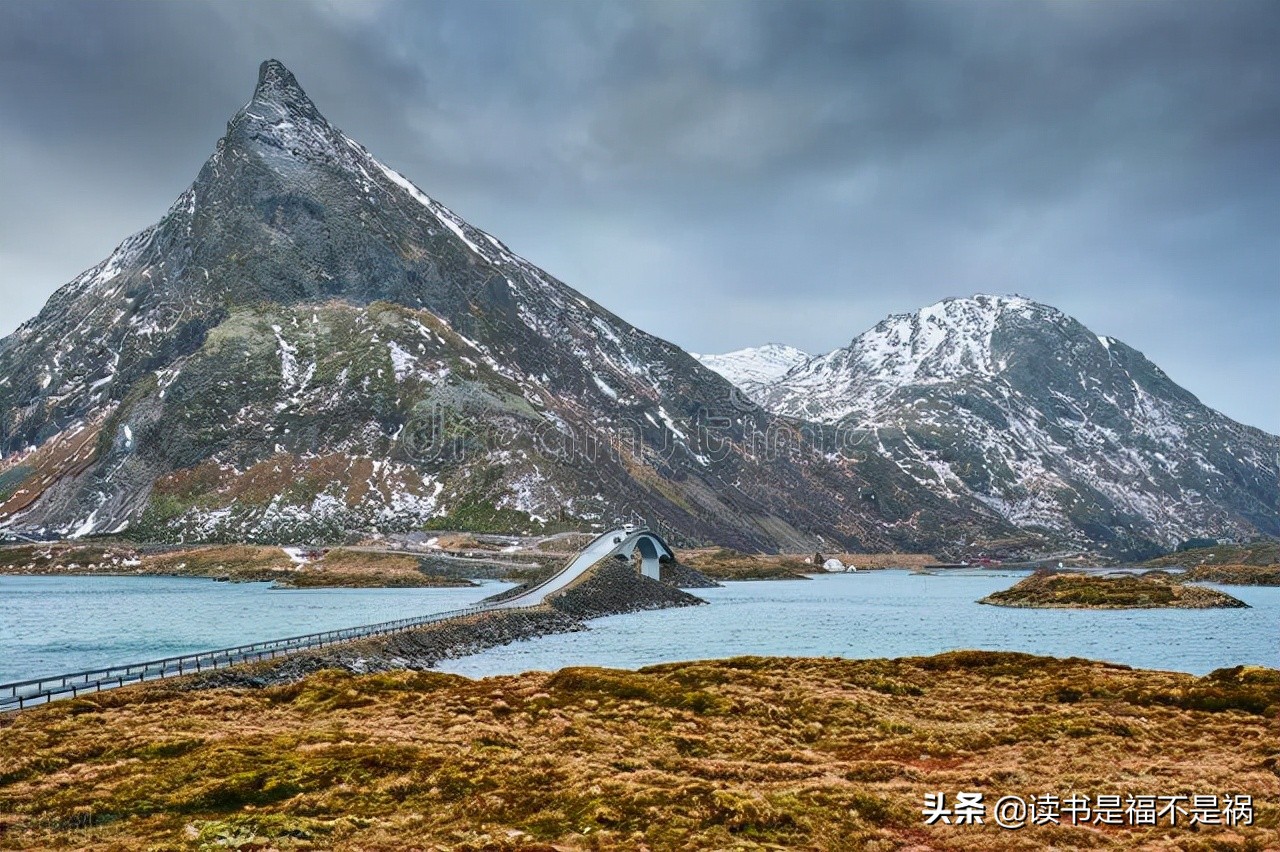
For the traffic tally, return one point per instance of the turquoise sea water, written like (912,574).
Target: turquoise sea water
(55,625)
(52,625)
(898,614)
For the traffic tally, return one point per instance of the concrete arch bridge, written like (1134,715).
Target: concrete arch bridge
(623,544)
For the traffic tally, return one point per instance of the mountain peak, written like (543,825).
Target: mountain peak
(1014,403)
(274,79)
(278,91)
(984,303)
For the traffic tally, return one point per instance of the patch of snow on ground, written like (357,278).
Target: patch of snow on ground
(605,389)
(87,526)
(288,359)
(402,362)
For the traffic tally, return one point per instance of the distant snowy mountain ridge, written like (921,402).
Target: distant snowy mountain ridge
(756,367)
(1018,405)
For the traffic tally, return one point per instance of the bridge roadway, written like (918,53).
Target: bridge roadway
(622,542)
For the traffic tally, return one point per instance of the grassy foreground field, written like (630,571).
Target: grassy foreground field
(750,753)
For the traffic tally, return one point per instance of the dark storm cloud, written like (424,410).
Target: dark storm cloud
(725,174)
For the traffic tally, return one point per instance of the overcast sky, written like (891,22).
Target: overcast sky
(724,174)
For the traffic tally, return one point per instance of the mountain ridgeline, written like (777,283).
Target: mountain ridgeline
(1053,427)
(307,345)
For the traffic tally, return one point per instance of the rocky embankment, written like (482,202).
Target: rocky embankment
(1098,591)
(684,577)
(609,588)
(414,649)
(614,587)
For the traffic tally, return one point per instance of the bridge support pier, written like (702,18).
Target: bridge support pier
(650,558)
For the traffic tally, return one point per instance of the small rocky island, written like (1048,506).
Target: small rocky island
(1109,591)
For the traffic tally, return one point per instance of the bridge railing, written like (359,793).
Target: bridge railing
(25,693)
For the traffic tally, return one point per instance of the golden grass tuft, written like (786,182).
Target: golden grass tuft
(346,567)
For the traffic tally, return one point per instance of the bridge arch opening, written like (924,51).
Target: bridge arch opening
(652,550)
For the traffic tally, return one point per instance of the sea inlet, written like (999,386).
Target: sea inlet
(51,625)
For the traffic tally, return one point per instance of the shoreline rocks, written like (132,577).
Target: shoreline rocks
(609,588)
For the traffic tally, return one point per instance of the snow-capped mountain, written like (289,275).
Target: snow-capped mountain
(1017,405)
(755,367)
(306,344)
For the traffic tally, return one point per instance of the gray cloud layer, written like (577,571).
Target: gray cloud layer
(724,174)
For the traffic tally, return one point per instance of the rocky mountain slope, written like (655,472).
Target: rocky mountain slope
(1023,408)
(307,344)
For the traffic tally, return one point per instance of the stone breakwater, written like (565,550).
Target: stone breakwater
(684,577)
(610,588)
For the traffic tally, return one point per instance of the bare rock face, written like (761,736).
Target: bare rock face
(307,344)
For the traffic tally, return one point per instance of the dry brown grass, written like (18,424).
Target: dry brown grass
(1261,552)
(1235,575)
(722,563)
(885,560)
(463,542)
(237,562)
(229,561)
(1095,591)
(66,558)
(751,753)
(566,545)
(350,568)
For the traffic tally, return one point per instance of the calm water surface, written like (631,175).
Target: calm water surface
(895,614)
(53,625)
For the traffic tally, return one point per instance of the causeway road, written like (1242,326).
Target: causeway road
(601,548)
